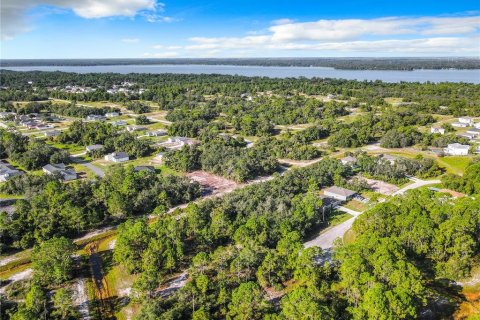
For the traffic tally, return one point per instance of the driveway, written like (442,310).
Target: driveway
(96,170)
(326,238)
(417,183)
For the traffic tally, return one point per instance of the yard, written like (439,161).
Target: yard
(454,164)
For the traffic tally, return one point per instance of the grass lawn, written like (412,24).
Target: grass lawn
(81,168)
(338,217)
(454,164)
(356,205)
(72,148)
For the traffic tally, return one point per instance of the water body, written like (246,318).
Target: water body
(423,75)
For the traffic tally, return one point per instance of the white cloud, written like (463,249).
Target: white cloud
(349,29)
(14,19)
(432,35)
(130,40)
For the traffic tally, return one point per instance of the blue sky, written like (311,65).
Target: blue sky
(149,28)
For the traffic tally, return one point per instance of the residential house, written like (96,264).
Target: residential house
(111,114)
(474,131)
(96,117)
(467,120)
(8,171)
(4,115)
(93,147)
(135,128)
(349,161)
(144,168)
(177,142)
(157,133)
(459,125)
(52,133)
(469,136)
(60,169)
(119,123)
(339,193)
(117,157)
(388,158)
(437,130)
(457,149)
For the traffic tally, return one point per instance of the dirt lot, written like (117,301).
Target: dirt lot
(381,186)
(211,183)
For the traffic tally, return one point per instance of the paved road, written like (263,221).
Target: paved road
(417,183)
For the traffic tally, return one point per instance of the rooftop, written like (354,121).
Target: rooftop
(340,191)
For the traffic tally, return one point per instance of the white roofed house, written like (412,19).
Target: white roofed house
(111,114)
(117,157)
(60,169)
(119,123)
(93,147)
(135,128)
(437,130)
(52,133)
(474,131)
(467,120)
(459,124)
(157,133)
(457,149)
(349,161)
(8,171)
(469,136)
(96,117)
(339,193)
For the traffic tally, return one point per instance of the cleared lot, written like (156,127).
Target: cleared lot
(212,184)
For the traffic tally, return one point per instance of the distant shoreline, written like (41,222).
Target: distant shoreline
(392,76)
(386,64)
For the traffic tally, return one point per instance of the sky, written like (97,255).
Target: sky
(50,29)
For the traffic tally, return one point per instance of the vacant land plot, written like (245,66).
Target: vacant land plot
(379,186)
(454,164)
(211,183)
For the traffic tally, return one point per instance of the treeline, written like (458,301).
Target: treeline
(172,91)
(69,110)
(337,63)
(29,153)
(88,133)
(55,209)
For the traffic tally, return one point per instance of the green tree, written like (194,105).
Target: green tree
(247,302)
(62,305)
(52,261)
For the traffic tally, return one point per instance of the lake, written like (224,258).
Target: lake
(423,75)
